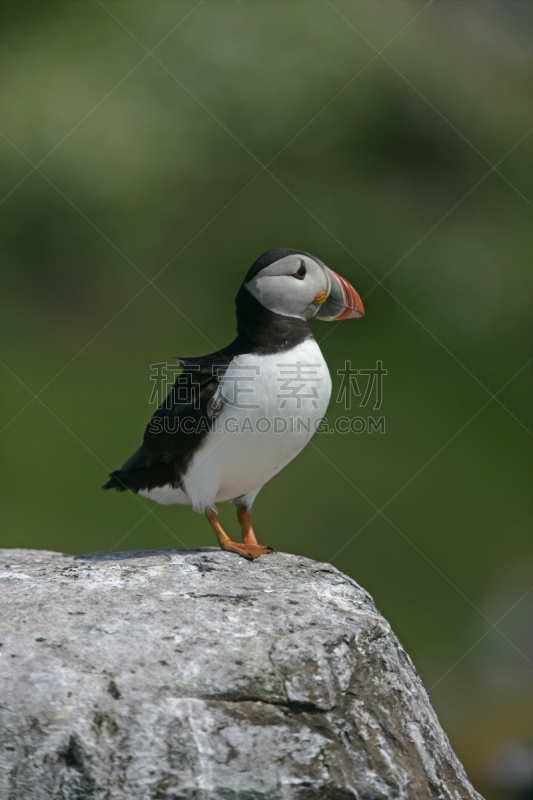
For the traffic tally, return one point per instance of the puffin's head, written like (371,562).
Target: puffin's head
(296,284)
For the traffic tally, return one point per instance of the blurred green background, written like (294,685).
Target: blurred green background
(267,124)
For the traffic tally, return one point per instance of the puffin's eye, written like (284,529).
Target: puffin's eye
(301,272)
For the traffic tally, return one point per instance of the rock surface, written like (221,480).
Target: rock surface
(196,675)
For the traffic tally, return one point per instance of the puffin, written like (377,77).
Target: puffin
(233,419)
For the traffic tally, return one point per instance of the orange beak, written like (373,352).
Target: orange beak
(341,302)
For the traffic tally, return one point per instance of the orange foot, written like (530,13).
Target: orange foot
(248,551)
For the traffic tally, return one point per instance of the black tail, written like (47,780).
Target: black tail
(160,474)
(116,482)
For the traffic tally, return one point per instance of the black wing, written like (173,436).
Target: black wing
(177,427)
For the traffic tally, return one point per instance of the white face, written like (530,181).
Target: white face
(290,285)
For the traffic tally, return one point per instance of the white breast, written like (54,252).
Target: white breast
(272,405)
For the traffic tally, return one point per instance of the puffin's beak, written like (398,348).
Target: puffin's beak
(341,301)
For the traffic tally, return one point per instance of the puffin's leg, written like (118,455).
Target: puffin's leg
(248,535)
(248,550)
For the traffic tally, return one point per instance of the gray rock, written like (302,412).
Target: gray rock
(197,675)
